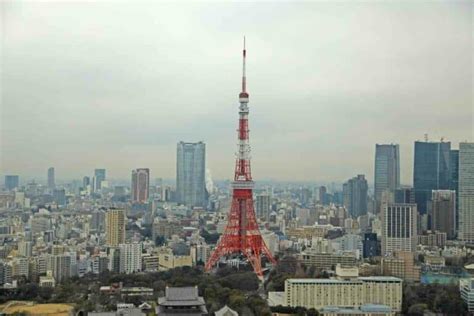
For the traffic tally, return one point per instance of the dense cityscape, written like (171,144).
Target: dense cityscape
(99,245)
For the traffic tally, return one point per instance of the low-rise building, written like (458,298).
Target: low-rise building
(401,265)
(181,301)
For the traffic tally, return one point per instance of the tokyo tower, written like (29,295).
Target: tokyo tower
(241,234)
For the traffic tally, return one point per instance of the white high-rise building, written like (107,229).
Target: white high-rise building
(130,257)
(399,228)
(466,192)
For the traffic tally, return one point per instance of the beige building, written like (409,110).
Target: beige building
(307,232)
(168,260)
(401,265)
(327,261)
(115,227)
(320,293)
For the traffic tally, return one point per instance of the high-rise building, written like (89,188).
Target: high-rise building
(454,168)
(263,206)
(443,212)
(12,182)
(190,174)
(115,227)
(130,257)
(399,228)
(59,196)
(355,196)
(431,171)
(140,185)
(60,266)
(99,176)
(387,169)
(86,181)
(51,179)
(322,195)
(466,192)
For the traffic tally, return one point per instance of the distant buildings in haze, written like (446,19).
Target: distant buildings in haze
(140,185)
(355,196)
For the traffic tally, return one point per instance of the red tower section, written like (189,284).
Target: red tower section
(241,234)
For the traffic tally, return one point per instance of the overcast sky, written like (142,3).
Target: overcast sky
(118,84)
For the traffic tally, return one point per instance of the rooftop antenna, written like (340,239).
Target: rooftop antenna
(426,137)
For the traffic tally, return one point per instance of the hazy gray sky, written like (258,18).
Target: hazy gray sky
(118,84)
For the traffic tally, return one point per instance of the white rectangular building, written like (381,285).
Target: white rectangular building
(399,228)
(321,293)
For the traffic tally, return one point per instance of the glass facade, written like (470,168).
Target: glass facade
(190,177)
(431,171)
(387,169)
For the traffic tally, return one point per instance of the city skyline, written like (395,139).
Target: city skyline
(334,91)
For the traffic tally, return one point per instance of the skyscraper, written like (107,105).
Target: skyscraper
(59,196)
(86,181)
(263,205)
(115,227)
(140,185)
(99,176)
(322,195)
(454,168)
(443,212)
(387,169)
(399,228)
(51,180)
(431,171)
(466,192)
(190,174)
(355,196)
(12,182)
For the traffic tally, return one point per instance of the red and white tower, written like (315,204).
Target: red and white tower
(241,234)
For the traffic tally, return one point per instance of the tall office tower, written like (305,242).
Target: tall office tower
(443,212)
(263,206)
(130,257)
(190,174)
(51,180)
(242,235)
(86,181)
(431,171)
(59,196)
(140,185)
(322,195)
(355,196)
(12,182)
(99,176)
(115,227)
(399,228)
(387,169)
(466,192)
(454,168)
